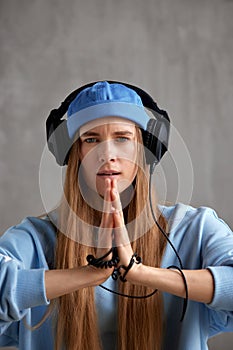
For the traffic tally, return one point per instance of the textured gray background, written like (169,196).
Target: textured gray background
(180,51)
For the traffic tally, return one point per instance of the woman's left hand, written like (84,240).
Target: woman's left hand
(200,282)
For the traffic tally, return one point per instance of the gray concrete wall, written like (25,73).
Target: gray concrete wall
(180,51)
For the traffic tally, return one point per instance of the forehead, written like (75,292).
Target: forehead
(107,123)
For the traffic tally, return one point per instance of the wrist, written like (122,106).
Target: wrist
(135,273)
(96,275)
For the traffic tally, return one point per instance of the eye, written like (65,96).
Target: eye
(122,139)
(91,140)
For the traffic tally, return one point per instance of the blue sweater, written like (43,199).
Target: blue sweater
(201,239)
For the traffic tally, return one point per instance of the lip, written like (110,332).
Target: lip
(108,174)
(113,176)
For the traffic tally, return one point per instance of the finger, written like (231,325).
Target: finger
(121,236)
(121,240)
(106,225)
(106,220)
(107,196)
(116,201)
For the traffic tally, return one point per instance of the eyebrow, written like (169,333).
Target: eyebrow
(117,133)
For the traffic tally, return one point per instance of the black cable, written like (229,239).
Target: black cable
(116,273)
(185,304)
(156,222)
(129,296)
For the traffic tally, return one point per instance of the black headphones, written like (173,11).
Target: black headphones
(155,137)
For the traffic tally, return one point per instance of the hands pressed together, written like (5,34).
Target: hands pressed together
(113,231)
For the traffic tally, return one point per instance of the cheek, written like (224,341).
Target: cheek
(88,168)
(131,170)
(129,151)
(88,159)
(130,159)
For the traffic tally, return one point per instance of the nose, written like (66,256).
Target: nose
(106,152)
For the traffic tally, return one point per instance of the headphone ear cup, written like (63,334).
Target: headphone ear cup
(58,139)
(155,140)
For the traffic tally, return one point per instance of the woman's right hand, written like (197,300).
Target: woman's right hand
(105,234)
(61,282)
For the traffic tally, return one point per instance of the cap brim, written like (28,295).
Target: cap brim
(124,110)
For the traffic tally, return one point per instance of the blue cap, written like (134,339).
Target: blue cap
(105,100)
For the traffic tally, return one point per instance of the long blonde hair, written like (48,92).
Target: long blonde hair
(140,321)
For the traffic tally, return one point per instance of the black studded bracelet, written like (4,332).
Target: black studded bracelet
(101,263)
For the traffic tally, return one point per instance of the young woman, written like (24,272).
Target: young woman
(100,272)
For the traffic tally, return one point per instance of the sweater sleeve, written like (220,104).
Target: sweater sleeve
(22,266)
(217,253)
